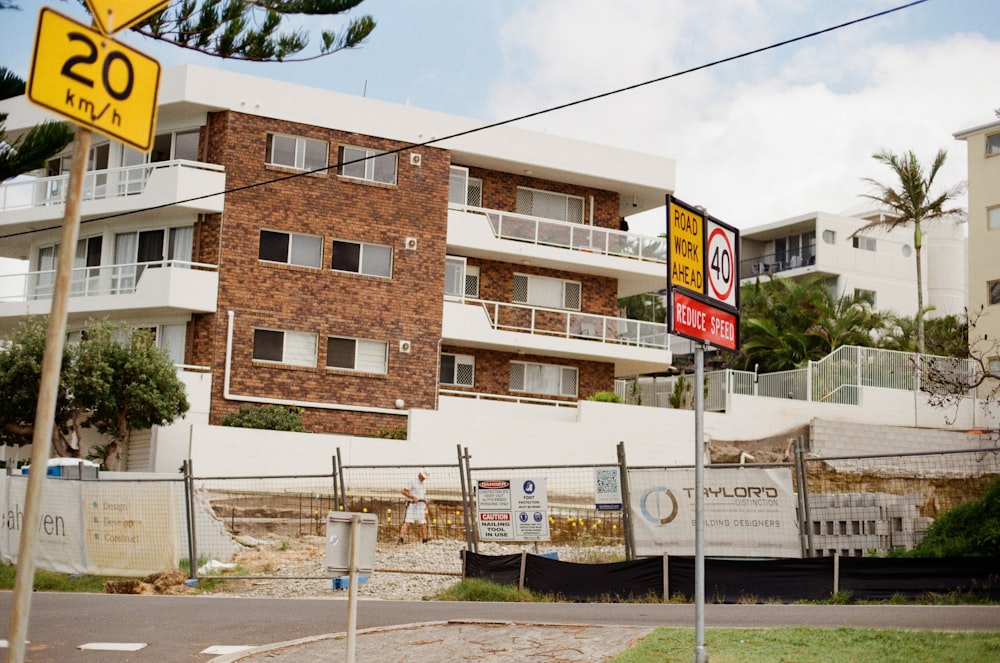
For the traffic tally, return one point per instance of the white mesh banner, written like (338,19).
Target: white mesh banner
(749,512)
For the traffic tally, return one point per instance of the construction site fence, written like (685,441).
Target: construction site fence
(856,506)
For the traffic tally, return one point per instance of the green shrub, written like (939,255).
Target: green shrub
(606,397)
(266,417)
(969,530)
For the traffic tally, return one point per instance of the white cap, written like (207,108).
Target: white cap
(424,473)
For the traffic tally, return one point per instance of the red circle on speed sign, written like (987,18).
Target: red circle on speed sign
(721,270)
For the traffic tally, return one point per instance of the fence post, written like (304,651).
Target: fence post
(626,507)
(800,479)
(836,572)
(520,580)
(189,516)
(809,381)
(336,500)
(466,501)
(340,473)
(800,455)
(666,578)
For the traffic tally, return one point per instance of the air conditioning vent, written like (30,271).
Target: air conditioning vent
(416,159)
(410,243)
(404,347)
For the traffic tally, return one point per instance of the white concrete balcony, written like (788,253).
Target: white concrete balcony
(635,347)
(27,203)
(637,262)
(115,291)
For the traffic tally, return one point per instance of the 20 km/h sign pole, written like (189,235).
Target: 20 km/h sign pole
(46,410)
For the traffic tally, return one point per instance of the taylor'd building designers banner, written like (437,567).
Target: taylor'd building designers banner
(749,512)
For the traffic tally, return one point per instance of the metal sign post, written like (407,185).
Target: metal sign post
(46,410)
(700,654)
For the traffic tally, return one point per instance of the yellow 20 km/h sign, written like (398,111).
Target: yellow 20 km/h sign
(92,80)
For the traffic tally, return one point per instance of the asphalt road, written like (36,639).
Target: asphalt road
(179,628)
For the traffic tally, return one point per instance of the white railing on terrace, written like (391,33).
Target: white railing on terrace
(86,281)
(483,396)
(837,378)
(97,184)
(572,324)
(576,236)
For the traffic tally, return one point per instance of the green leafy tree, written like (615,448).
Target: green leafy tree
(787,322)
(266,417)
(910,201)
(946,336)
(34,148)
(115,381)
(241,30)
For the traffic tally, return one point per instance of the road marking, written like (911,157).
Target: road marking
(226,649)
(113,646)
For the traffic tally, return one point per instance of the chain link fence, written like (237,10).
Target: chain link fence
(856,506)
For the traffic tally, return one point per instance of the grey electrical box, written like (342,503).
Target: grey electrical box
(338,541)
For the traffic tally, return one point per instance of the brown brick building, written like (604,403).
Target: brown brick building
(364,259)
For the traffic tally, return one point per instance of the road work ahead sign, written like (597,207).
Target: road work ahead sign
(93,80)
(703,276)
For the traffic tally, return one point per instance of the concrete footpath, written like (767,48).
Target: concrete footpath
(455,640)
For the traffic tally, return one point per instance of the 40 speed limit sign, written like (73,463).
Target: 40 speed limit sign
(93,80)
(721,267)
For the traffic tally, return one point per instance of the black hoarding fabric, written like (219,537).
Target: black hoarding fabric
(586,582)
(744,580)
(875,578)
(499,569)
(766,580)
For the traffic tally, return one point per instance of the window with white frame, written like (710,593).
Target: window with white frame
(867,295)
(284,347)
(357,354)
(291,248)
(458,370)
(992,145)
(367,164)
(993,288)
(464,190)
(362,258)
(296,152)
(547,379)
(993,366)
(170,339)
(548,205)
(460,278)
(135,250)
(864,243)
(546,291)
(993,218)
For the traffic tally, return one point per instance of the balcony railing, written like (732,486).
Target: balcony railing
(97,184)
(86,281)
(772,263)
(571,324)
(576,236)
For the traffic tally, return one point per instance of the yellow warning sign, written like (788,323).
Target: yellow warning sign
(94,80)
(112,16)
(686,230)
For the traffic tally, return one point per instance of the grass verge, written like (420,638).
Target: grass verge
(815,645)
(46,581)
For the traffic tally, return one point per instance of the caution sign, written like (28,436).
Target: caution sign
(113,16)
(93,80)
(687,242)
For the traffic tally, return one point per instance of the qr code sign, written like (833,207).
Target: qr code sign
(607,480)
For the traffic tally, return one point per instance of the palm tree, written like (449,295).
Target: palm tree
(912,202)
(38,145)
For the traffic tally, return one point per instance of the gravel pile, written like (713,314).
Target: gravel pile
(410,571)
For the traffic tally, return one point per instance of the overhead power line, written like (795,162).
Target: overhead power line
(500,123)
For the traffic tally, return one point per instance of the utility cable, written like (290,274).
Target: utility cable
(501,123)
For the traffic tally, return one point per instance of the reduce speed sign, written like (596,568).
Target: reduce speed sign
(721,262)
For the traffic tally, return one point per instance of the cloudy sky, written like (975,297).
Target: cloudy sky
(756,140)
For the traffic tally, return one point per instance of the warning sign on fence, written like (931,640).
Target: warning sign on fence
(513,509)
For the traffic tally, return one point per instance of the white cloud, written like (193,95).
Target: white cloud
(761,139)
